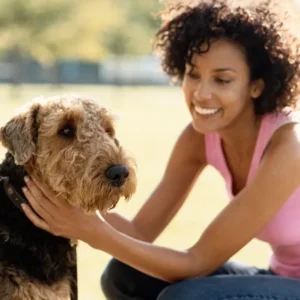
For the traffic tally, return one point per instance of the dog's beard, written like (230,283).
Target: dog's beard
(101,196)
(85,188)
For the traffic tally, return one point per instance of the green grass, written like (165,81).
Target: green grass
(151,120)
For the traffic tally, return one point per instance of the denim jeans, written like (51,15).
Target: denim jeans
(233,281)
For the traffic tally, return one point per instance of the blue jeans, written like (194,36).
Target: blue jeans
(233,281)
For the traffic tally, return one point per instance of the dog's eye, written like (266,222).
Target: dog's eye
(110,131)
(67,131)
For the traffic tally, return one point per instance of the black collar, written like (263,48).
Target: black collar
(17,200)
(12,194)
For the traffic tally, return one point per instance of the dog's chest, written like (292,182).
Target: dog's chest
(33,264)
(15,286)
(35,252)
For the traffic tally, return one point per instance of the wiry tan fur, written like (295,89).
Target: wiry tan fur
(73,168)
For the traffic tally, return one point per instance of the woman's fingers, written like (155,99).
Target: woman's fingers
(34,200)
(37,221)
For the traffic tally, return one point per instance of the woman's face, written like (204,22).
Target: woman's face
(217,89)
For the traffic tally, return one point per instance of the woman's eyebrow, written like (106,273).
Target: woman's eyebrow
(223,70)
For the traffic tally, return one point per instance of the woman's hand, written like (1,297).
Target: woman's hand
(61,219)
(57,216)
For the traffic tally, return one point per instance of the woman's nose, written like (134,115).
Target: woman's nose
(203,92)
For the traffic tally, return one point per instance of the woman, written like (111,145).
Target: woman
(239,75)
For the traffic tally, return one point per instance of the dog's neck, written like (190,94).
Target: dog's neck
(12,194)
(12,177)
(15,173)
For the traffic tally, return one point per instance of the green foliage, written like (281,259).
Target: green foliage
(134,32)
(89,29)
(24,25)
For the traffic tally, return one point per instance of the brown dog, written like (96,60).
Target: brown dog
(69,143)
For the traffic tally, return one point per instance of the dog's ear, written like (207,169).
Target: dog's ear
(19,135)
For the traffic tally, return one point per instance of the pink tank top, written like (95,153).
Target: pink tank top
(283,231)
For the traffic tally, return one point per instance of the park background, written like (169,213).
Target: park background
(103,49)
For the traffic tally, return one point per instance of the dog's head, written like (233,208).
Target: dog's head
(69,143)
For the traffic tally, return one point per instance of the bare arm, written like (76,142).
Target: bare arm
(186,162)
(122,224)
(231,229)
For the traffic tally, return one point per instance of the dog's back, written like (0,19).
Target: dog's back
(34,265)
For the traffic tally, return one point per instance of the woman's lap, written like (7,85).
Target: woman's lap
(234,287)
(233,281)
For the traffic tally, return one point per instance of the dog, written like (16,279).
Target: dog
(68,142)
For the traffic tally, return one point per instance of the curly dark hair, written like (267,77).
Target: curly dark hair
(271,52)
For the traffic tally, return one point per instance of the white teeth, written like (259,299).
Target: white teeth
(206,111)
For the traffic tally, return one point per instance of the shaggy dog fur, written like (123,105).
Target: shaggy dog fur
(69,143)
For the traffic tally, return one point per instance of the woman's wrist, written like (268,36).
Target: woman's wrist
(97,235)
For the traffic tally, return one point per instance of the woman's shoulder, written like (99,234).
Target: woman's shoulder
(189,134)
(285,131)
(192,143)
(278,119)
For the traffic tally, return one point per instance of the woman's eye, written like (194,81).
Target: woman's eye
(193,75)
(222,81)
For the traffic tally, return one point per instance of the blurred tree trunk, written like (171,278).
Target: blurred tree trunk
(55,74)
(18,72)
(17,59)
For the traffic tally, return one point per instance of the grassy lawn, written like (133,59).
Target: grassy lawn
(151,120)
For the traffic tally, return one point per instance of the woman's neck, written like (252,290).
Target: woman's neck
(240,137)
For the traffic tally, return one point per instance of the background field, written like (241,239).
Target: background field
(151,121)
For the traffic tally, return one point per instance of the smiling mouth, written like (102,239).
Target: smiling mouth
(206,111)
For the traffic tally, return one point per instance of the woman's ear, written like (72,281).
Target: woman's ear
(257,88)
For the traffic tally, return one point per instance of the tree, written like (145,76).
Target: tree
(50,30)
(136,29)
(22,24)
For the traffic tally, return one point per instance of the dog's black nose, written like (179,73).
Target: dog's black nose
(117,175)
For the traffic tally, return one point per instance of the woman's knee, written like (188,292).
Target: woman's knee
(120,281)
(115,279)
(107,277)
